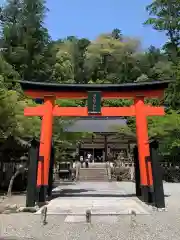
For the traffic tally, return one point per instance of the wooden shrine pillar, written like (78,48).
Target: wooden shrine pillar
(158,194)
(32,173)
(146,181)
(45,149)
(137,172)
(51,167)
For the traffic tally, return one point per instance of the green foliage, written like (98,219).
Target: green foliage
(167,130)
(12,119)
(173,93)
(27,52)
(24,39)
(7,74)
(69,103)
(117,103)
(165,16)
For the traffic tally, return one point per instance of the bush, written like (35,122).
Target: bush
(171,174)
(122,173)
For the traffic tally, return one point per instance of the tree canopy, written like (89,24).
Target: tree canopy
(29,53)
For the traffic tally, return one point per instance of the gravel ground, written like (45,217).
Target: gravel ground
(19,200)
(158,225)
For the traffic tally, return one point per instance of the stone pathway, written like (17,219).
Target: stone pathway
(101,198)
(98,206)
(154,226)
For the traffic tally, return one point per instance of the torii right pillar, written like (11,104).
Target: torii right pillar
(146,179)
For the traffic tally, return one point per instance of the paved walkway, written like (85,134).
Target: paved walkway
(102,198)
(154,226)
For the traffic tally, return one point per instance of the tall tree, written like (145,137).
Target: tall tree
(166,17)
(70,59)
(111,60)
(35,36)
(80,74)
(24,37)
(11,32)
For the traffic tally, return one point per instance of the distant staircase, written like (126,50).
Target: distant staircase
(96,172)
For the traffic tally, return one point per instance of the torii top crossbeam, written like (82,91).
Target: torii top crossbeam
(36,90)
(80,91)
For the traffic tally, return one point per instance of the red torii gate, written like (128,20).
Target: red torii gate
(136,91)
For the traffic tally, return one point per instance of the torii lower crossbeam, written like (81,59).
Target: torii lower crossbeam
(83,111)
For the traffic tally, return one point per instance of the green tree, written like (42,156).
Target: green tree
(7,75)
(167,130)
(109,60)
(154,65)
(24,38)
(35,37)
(70,60)
(13,122)
(80,74)
(173,92)
(11,34)
(63,70)
(166,17)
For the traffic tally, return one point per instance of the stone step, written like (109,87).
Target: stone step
(97,165)
(90,172)
(93,169)
(93,174)
(92,180)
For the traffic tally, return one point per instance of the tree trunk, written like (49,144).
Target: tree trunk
(9,193)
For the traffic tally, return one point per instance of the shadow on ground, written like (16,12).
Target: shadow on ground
(57,184)
(18,193)
(70,192)
(86,193)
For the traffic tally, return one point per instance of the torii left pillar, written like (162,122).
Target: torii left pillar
(45,149)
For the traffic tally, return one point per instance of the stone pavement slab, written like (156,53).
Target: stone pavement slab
(155,226)
(95,220)
(101,198)
(95,188)
(98,206)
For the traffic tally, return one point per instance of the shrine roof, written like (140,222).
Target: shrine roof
(54,87)
(96,124)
